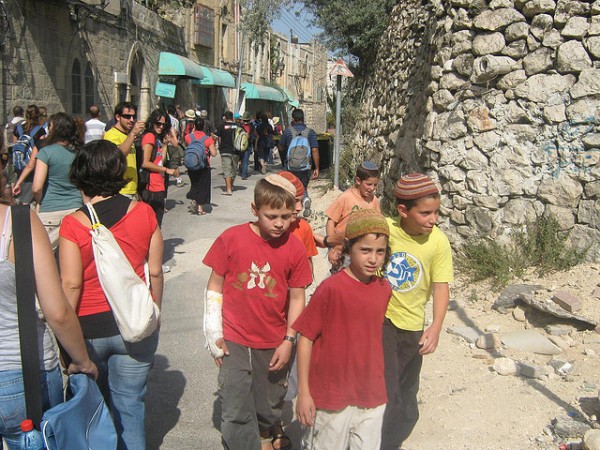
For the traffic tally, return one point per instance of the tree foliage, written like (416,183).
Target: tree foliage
(352,27)
(257,16)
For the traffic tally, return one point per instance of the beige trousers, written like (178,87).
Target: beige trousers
(351,428)
(52,221)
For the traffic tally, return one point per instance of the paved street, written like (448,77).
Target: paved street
(182,407)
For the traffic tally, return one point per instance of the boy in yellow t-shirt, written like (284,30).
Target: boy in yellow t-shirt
(359,196)
(420,264)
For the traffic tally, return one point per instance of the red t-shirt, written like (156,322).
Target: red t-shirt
(257,275)
(344,319)
(133,234)
(302,230)
(157,179)
(207,143)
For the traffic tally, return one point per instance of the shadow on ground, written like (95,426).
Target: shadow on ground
(165,389)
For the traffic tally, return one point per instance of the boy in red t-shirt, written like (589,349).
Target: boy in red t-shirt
(254,265)
(341,382)
(359,196)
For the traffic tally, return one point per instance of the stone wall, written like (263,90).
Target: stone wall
(499,101)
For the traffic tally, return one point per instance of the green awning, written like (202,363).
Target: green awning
(215,77)
(291,99)
(170,64)
(259,92)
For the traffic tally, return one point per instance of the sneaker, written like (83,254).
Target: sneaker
(179,182)
(263,167)
(166,269)
(306,203)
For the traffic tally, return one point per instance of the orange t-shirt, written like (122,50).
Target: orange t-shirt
(302,230)
(350,200)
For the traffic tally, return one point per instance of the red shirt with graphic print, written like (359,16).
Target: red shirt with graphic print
(257,276)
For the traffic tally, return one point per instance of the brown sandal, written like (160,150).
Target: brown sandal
(280,440)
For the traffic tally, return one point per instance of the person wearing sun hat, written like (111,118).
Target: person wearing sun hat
(420,266)
(341,383)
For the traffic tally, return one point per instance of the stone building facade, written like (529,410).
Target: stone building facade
(69,54)
(499,101)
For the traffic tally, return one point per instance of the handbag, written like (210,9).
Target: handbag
(129,296)
(83,421)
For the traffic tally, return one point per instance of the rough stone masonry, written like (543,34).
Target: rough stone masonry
(499,101)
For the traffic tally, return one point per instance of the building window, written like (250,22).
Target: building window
(76,88)
(89,87)
(204,26)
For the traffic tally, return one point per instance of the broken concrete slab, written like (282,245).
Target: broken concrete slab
(533,370)
(509,296)
(530,341)
(565,427)
(555,310)
(467,333)
(559,329)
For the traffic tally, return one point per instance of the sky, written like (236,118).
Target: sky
(298,21)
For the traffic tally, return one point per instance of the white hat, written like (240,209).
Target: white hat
(190,114)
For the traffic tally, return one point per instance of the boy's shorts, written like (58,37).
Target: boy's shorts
(229,163)
(351,427)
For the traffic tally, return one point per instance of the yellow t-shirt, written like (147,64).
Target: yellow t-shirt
(117,137)
(416,262)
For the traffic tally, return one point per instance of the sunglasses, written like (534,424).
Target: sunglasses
(159,124)
(129,116)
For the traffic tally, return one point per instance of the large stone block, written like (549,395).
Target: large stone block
(515,31)
(572,57)
(560,191)
(499,19)
(576,27)
(541,86)
(534,7)
(484,44)
(538,61)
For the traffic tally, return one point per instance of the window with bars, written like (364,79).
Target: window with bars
(204,26)
(76,87)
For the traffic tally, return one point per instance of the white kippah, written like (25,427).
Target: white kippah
(284,183)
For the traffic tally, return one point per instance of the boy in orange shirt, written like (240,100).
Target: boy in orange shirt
(359,196)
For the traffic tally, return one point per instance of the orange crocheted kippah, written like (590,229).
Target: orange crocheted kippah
(295,181)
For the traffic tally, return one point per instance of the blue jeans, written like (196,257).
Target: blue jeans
(245,162)
(122,373)
(12,401)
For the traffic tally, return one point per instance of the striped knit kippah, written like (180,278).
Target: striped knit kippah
(415,185)
(365,221)
(295,181)
(283,183)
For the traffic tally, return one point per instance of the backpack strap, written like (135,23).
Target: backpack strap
(27,315)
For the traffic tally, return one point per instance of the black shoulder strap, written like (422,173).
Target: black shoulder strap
(24,274)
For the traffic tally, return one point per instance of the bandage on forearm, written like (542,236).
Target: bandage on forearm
(213,321)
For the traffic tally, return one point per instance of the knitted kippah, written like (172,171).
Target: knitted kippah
(413,186)
(283,183)
(365,221)
(295,181)
(369,165)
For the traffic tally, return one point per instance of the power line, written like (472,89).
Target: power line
(292,22)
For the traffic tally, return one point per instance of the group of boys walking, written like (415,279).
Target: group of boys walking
(360,340)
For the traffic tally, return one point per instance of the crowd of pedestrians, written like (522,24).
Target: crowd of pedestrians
(360,337)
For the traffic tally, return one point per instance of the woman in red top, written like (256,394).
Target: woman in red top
(199,192)
(158,129)
(97,171)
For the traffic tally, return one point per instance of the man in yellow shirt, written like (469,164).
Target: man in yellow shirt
(123,135)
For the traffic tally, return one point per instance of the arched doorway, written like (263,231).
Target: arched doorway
(138,87)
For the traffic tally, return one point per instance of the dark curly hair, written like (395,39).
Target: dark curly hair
(98,169)
(155,117)
(64,128)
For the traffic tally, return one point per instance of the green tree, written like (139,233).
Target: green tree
(352,27)
(256,18)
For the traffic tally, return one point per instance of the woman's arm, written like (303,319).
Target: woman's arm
(54,304)
(71,271)
(149,165)
(155,257)
(39,180)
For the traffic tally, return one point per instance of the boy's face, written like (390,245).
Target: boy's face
(272,222)
(420,219)
(367,256)
(367,187)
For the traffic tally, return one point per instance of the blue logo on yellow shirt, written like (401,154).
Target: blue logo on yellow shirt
(403,271)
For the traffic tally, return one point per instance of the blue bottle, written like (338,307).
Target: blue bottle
(31,439)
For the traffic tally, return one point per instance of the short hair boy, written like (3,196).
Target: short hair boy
(253,267)
(359,196)
(420,264)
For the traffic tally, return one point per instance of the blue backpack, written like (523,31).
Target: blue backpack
(194,157)
(298,154)
(23,147)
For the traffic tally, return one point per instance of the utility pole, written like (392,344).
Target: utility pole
(340,70)
(239,76)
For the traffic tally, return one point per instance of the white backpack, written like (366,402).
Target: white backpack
(129,296)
